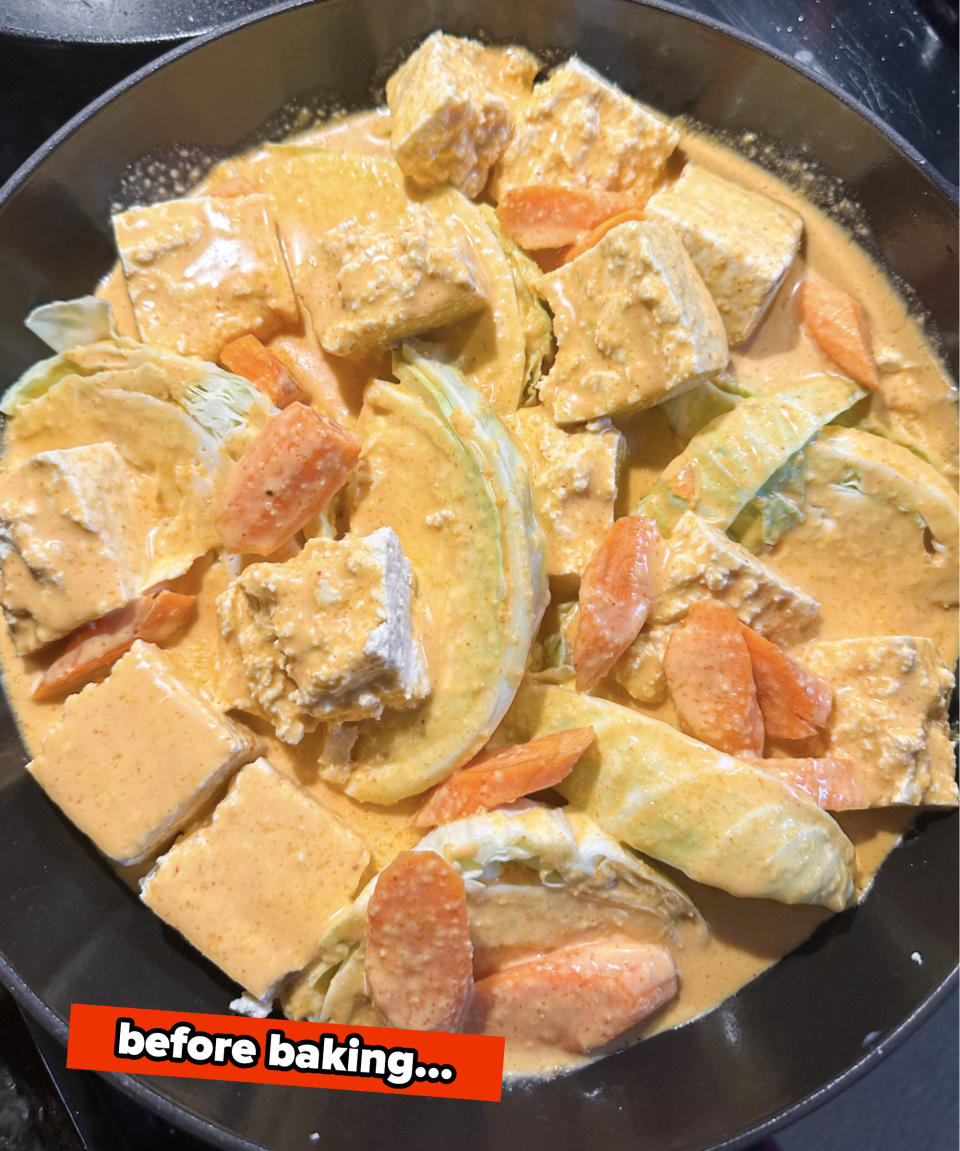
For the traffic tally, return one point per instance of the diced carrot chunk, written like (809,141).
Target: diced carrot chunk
(419,958)
(154,618)
(826,779)
(288,474)
(575,998)
(586,242)
(710,677)
(246,356)
(794,700)
(550,216)
(505,775)
(234,186)
(838,324)
(616,590)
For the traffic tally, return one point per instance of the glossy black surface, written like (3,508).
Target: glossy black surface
(75,933)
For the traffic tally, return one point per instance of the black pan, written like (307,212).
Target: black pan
(70,931)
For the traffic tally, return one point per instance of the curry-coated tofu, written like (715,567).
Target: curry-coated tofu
(578,129)
(702,562)
(255,887)
(71,545)
(397,280)
(203,270)
(634,323)
(135,757)
(450,106)
(741,242)
(574,480)
(324,636)
(889,721)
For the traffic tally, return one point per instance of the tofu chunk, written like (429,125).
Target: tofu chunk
(889,720)
(255,887)
(135,757)
(741,242)
(578,129)
(634,323)
(703,562)
(325,636)
(73,540)
(450,105)
(396,280)
(201,271)
(574,481)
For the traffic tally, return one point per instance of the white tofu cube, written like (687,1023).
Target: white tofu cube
(256,886)
(135,757)
(634,323)
(889,721)
(702,563)
(741,242)
(203,270)
(73,545)
(325,636)
(574,481)
(397,279)
(579,129)
(450,104)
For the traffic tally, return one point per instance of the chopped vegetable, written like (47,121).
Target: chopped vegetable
(419,959)
(616,590)
(794,701)
(288,474)
(66,324)
(246,356)
(550,216)
(838,324)
(505,775)
(585,243)
(826,779)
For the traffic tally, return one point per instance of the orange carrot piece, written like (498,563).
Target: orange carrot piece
(575,998)
(710,677)
(419,958)
(838,324)
(234,186)
(505,775)
(585,243)
(550,216)
(616,590)
(288,474)
(794,700)
(246,356)
(154,618)
(826,779)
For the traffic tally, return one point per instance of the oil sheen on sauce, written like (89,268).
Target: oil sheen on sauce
(865,587)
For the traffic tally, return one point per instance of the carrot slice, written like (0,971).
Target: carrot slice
(794,700)
(288,474)
(616,590)
(826,779)
(710,677)
(838,324)
(154,618)
(505,775)
(246,356)
(585,243)
(419,958)
(576,998)
(550,216)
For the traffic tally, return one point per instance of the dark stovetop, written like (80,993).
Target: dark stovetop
(899,59)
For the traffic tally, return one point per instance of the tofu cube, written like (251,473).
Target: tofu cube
(397,280)
(256,886)
(71,545)
(574,480)
(135,757)
(889,721)
(741,242)
(702,562)
(325,636)
(634,323)
(450,106)
(203,270)
(578,129)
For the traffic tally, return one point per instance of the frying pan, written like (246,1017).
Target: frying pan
(70,930)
